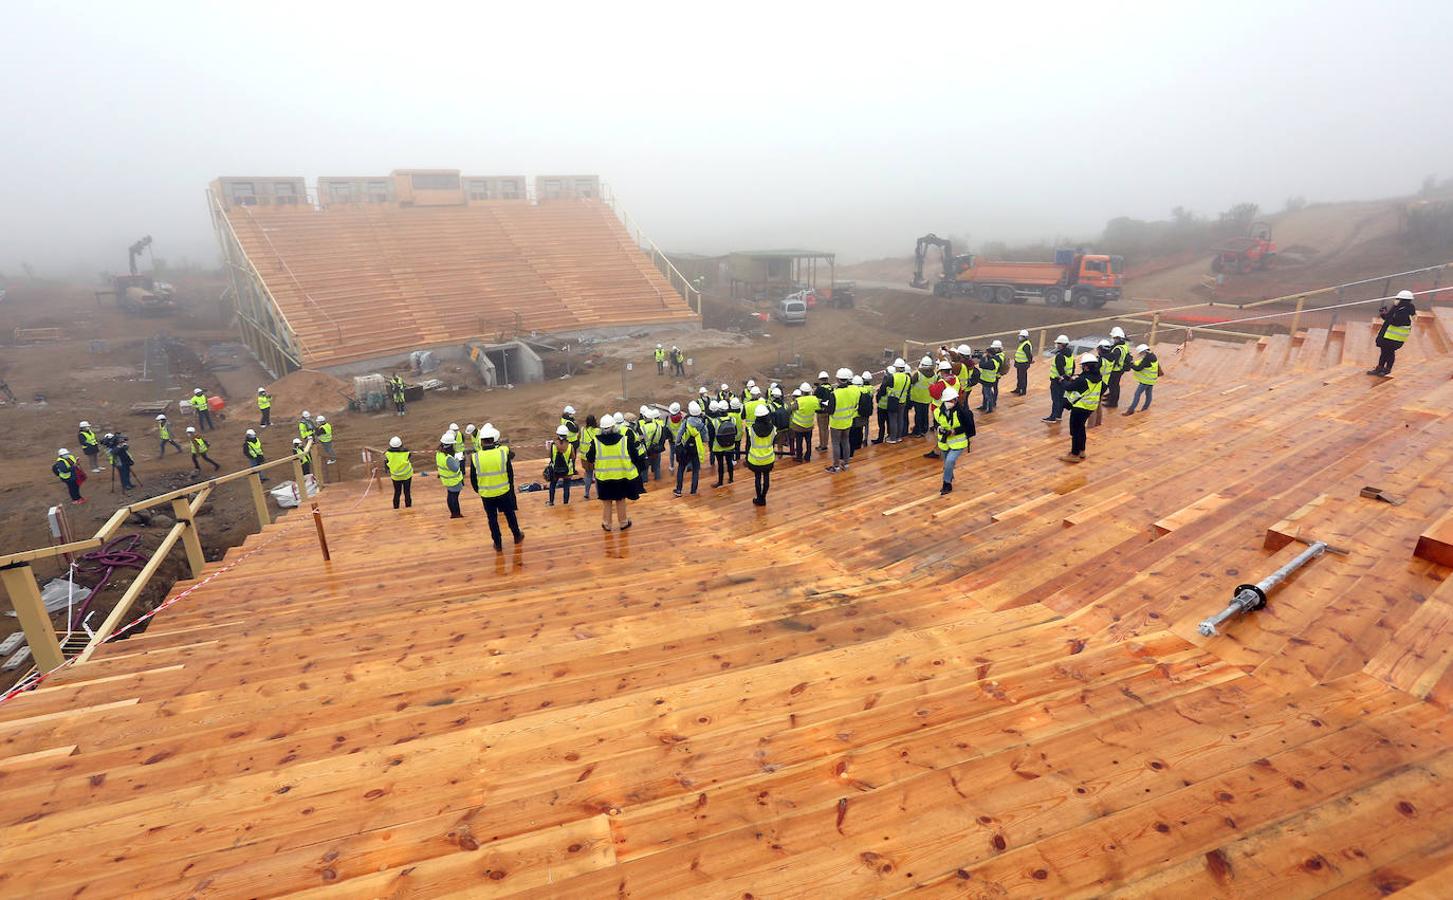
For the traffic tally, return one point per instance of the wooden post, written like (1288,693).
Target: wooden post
(182,511)
(24,594)
(1154,328)
(322,538)
(259,500)
(298,478)
(1042,333)
(1297,316)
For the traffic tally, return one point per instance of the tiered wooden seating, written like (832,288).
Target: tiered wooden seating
(858,690)
(357,281)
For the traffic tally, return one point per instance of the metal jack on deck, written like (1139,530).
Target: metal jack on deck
(1251,597)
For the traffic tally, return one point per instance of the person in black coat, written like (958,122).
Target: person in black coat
(1397,325)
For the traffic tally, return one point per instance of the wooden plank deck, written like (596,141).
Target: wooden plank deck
(861,689)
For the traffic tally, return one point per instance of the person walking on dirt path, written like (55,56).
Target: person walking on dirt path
(497,484)
(120,450)
(615,458)
(660,360)
(451,472)
(1082,395)
(1061,369)
(1147,372)
(1397,327)
(264,408)
(89,445)
(164,434)
(400,471)
(198,400)
(1023,359)
(69,472)
(396,391)
(306,428)
(252,451)
(955,428)
(199,450)
(678,361)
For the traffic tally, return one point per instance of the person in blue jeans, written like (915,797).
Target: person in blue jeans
(954,422)
(1147,371)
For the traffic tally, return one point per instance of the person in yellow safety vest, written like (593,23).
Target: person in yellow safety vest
(567,419)
(69,472)
(497,484)
(450,471)
(864,386)
(678,361)
(882,401)
(1061,369)
(264,407)
(781,418)
(805,406)
(252,451)
(616,459)
(688,443)
(1397,327)
(653,443)
(1147,372)
(305,425)
(918,396)
(898,392)
(396,388)
(324,436)
(466,444)
(955,426)
(1082,394)
(842,408)
(400,471)
(761,452)
(561,467)
(303,456)
(962,357)
(1023,359)
(1119,356)
(89,445)
(737,413)
(660,360)
(724,394)
(199,450)
(198,401)
(588,431)
(991,370)
(164,432)
(724,430)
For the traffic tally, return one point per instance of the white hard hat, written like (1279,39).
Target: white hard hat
(996,345)
(1105,342)
(645,410)
(308,415)
(858,380)
(867,376)
(1405,295)
(446,438)
(822,375)
(161,418)
(196,390)
(845,372)
(892,367)
(262,390)
(1062,339)
(963,349)
(1142,348)
(751,382)
(563,431)
(652,412)
(734,403)
(943,365)
(761,410)
(322,418)
(108,436)
(468,429)
(658,346)
(489,432)
(1089,358)
(926,361)
(806,388)
(674,408)
(949,395)
(251,433)
(1117,331)
(453,426)
(797,393)
(62,452)
(726,387)
(1023,333)
(298,441)
(191,430)
(396,442)
(776,390)
(713,406)
(607,422)
(693,408)
(899,362)
(85,424)
(756,391)
(569,410)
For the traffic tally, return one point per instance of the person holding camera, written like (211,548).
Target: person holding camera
(1397,326)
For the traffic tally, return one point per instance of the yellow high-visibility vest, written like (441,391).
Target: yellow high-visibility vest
(491,468)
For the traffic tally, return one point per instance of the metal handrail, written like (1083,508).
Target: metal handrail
(687,289)
(289,269)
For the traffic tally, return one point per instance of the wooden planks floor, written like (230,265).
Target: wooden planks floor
(848,692)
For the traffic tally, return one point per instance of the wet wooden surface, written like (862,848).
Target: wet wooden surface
(858,690)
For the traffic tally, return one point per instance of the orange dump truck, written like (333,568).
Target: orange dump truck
(1083,280)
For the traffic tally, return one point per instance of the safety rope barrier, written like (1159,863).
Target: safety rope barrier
(37,680)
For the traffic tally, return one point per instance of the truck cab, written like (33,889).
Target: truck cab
(1096,277)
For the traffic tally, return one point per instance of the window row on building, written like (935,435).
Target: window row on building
(405,187)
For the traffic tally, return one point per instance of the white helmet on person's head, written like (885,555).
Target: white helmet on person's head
(1023,332)
(674,408)
(251,433)
(297,442)
(844,373)
(1062,339)
(761,410)
(607,422)
(161,418)
(734,403)
(751,382)
(996,345)
(488,433)
(797,393)
(926,363)
(85,424)
(447,437)
(196,391)
(725,386)
(562,431)
(191,430)
(262,390)
(1086,358)
(1142,348)
(308,415)
(693,408)
(900,364)
(322,419)
(949,395)
(468,429)
(858,380)
(1406,295)
(1117,332)
(805,388)
(944,366)
(569,411)
(867,376)
(1105,342)
(396,442)
(821,376)
(963,350)
(62,452)
(645,410)
(658,347)
(756,391)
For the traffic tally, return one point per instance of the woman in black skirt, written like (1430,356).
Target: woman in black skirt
(616,458)
(761,454)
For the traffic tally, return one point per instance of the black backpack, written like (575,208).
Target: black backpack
(726,431)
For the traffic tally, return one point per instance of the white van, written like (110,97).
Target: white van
(791,310)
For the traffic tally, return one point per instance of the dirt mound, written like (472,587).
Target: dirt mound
(310,390)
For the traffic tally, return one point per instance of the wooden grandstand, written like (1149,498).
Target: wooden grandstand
(860,690)
(360,281)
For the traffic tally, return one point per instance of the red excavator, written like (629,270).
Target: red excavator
(1243,255)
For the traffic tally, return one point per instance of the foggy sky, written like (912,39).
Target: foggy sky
(850,127)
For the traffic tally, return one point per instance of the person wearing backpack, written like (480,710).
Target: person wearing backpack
(802,412)
(761,452)
(688,437)
(723,443)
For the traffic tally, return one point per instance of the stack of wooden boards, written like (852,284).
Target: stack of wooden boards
(860,689)
(362,280)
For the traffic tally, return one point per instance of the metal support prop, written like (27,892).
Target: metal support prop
(1251,597)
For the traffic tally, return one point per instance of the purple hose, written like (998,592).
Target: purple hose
(106,560)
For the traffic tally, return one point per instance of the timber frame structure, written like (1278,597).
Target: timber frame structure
(265,329)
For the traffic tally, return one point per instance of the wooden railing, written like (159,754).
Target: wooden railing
(1151,319)
(24,593)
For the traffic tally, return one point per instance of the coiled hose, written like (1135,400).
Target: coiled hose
(118,553)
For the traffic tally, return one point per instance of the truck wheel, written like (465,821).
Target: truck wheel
(1083,300)
(1054,296)
(1005,293)
(985,293)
